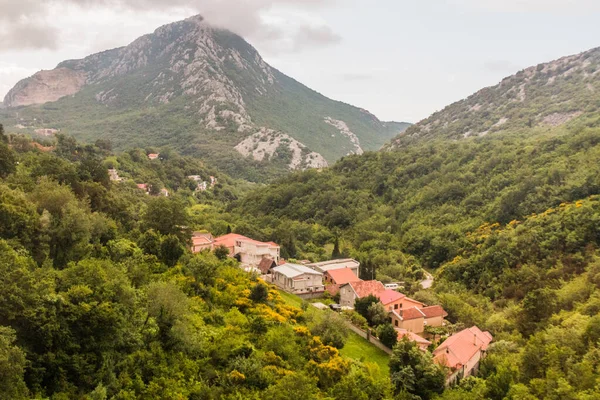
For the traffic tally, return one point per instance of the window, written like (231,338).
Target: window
(396,322)
(395,306)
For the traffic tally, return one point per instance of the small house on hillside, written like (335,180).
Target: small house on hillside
(153,156)
(413,337)
(298,279)
(201,241)
(462,352)
(394,300)
(415,319)
(325,266)
(248,251)
(357,290)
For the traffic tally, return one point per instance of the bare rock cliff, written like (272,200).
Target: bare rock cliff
(45,86)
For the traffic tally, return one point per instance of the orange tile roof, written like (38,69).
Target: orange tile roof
(389,296)
(342,276)
(434,311)
(459,348)
(411,336)
(365,288)
(230,239)
(196,240)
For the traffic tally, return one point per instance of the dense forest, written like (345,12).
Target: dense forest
(102,299)
(508,224)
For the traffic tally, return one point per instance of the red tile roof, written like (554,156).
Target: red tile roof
(342,276)
(142,186)
(365,288)
(389,296)
(459,348)
(434,311)
(411,313)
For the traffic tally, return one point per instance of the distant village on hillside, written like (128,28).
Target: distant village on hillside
(339,279)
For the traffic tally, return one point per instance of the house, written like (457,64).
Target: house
(325,266)
(201,241)
(164,192)
(462,352)
(114,175)
(298,279)
(144,186)
(213,181)
(335,278)
(415,319)
(248,251)
(413,337)
(394,300)
(266,265)
(153,156)
(357,290)
(201,185)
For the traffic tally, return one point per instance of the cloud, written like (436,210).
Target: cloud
(538,6)
(502,66)
(25,24)
(11,73)
(312,36)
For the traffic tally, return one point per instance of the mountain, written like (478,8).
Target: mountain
(544,96)
(200,89)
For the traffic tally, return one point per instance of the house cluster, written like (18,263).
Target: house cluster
(113,174)
(202,185)
(146,188)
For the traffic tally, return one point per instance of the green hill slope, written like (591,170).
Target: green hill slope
(202,90)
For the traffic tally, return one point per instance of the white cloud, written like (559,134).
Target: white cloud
(27,24)
(538,6)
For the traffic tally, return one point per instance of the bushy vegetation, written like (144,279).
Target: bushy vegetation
(509,226)
(101,298)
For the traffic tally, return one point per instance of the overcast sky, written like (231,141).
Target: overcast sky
(400,59)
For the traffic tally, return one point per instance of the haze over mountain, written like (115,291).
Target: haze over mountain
(200,89)
(543,96)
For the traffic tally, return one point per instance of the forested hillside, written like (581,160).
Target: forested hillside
(508,224)
(101,298)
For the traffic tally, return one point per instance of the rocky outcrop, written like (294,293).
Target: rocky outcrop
(268,144)
(45,86)
(344,130)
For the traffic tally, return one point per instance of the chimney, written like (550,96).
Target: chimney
(475,339)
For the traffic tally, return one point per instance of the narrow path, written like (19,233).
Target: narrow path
(428,281)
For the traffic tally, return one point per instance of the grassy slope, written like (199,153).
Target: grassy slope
(356,347)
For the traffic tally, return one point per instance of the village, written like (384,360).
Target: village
(339,279)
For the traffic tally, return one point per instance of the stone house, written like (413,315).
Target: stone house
(297,279)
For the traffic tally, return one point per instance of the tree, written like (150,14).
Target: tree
(413,371)
(7,156)
(362,305)
(259,293)
(336,249)
(376,314)
(171,250)
(12,367)
(221,252)
(167,216)
(331,328)
(387,335)
(149,242)
(293,386)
